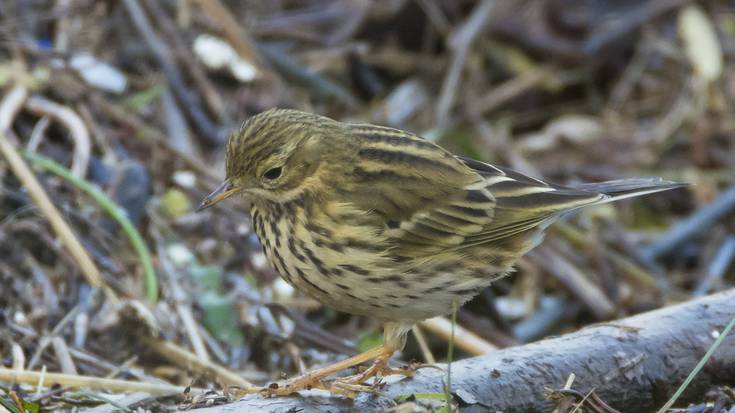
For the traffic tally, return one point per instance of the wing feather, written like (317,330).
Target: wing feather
(431,201)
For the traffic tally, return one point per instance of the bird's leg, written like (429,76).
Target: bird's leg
(313,379)
(395,338)
(380,368)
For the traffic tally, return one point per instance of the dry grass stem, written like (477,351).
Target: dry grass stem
(39,196)
(186,358)
(71,380)
(423,345)
(72,121)
(464,339)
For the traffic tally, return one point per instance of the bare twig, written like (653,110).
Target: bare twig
(11,105)
(176,127)
(460,42)
(436,17)
(320,85)
(631,20)
(19,357)
(464,339)
(551,313)
(211,96)
(183,308)
(423,345)
(38,133)
(190,101)
(355,13)
(636,273)
(506,91)
(78,130)
(575,280)
(717,267)
(62,355)
(693,226)
(186,358)
(71,380)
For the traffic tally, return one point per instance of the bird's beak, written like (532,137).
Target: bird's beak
(224,191)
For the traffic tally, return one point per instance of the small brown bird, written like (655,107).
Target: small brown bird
(379,222)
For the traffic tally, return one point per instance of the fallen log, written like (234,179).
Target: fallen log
(633,364)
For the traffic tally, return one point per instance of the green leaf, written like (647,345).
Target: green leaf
(370,340)
(450,357)
(403,397)
(27,406)
(465,141)
(145,97)
(9,405)
(31,407)
(209,277)
(220,317)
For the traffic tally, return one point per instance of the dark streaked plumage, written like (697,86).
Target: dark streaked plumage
(377,221)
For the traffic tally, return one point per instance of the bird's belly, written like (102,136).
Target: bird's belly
(382,295)
(364,290)
(358,279)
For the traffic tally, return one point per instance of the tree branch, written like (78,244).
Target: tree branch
(633,364)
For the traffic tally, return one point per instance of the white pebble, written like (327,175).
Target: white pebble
(282,289)
(217,54)
(180,255)
(99,74)
(259,260)
(185,179)
(243,229)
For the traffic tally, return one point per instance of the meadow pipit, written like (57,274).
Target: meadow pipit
(379,222)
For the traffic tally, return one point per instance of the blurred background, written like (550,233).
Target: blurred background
(137,98)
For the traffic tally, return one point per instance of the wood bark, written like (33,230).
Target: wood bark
(633,364)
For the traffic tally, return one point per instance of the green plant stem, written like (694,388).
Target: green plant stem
(450,357)
(699,366)
(113,210)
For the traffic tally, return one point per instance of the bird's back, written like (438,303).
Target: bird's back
(404,228)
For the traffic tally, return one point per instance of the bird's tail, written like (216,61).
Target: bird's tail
(628,188)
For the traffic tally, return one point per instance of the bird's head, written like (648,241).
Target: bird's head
(275,156)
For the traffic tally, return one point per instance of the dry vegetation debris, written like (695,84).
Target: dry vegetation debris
(121,110)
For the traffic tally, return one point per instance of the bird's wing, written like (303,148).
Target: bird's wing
(421,196)
(523,203)
(428,200)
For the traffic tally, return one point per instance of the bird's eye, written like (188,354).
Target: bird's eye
(273,173)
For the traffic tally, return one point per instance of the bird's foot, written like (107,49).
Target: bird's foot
(350,386)
(380,368)
(307,381)
(347,386)
(316,379)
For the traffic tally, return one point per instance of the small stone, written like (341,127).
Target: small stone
(282,289)
(99,74)
(185,179)
(180,255)
(259,260)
